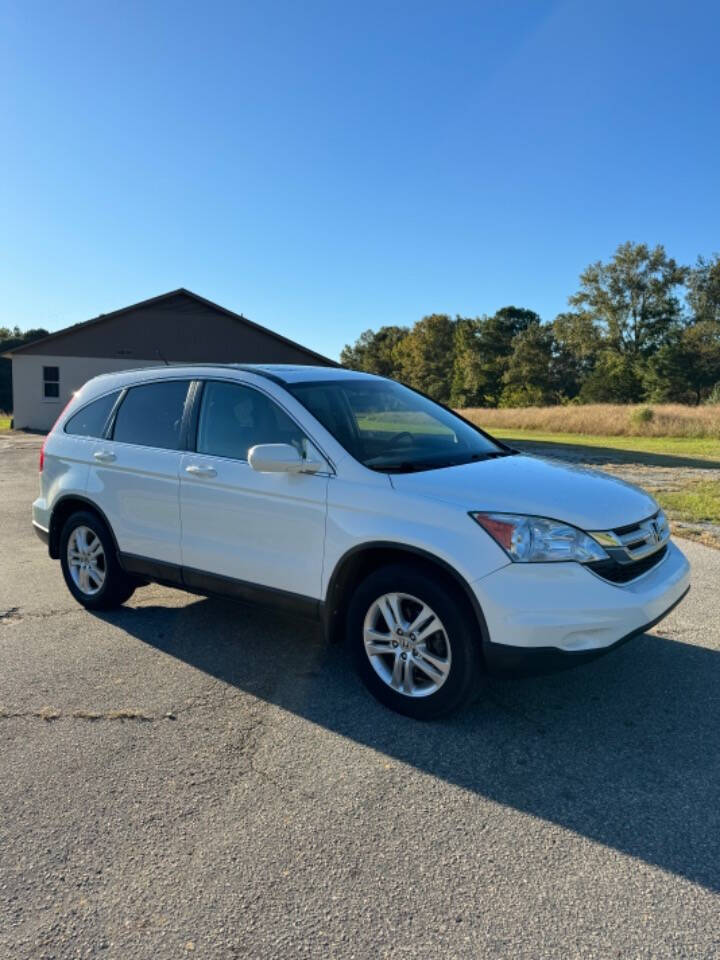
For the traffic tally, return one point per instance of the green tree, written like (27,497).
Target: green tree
(615,378)
(468,381)
(374,351)
(483,350)
(529,380)
(578,341)
(687,368)
(632,299)
(10,338)
(703,289)
(424,358)
(496,346)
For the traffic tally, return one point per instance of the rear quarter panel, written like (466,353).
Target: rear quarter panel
(65,473)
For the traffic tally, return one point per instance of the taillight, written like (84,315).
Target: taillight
(41,462)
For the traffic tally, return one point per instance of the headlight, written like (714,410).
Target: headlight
(538,540)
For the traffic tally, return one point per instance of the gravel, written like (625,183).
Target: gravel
(190,777)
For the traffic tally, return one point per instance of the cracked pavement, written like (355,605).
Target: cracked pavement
(191,777)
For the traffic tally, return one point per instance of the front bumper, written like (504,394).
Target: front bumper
(549,615)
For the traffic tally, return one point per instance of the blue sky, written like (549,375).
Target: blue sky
(325,167)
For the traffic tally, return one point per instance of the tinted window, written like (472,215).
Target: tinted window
(151,415)
(388,427)
(92,419)
(234,418)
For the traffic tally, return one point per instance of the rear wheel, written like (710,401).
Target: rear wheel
(413,642)
(90,565)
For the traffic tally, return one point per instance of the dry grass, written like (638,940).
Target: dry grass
(5,420)
(606,419)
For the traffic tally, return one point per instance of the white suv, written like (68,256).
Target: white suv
(436,551)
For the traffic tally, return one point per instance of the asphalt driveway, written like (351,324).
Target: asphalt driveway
(193,777)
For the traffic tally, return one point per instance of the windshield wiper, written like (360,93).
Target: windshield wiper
(486,455)
(415,466)
(405,467)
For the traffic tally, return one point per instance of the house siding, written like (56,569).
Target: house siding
(31,411)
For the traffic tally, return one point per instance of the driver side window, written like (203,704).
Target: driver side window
(234,418)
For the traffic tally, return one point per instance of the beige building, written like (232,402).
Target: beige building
(177,327)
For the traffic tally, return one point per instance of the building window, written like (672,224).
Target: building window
(51,383)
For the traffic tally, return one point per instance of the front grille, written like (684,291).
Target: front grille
(625,572)
(633,549)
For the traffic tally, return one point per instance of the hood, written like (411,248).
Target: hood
(585,498)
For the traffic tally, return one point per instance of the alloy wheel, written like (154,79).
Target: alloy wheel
(407,644)
(86,560)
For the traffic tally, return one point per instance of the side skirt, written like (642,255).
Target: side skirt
(169,574)
(213,584)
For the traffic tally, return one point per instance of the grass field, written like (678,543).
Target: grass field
(702,447)
(605,419)
(697,503)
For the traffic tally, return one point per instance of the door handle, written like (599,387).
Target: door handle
(104,456)
(197,471)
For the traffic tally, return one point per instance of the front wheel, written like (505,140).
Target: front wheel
(89,563)
(413,642)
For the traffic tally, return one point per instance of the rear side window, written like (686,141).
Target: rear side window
(151,415)
(92,419)
(234,418)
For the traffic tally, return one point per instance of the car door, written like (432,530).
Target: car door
(134,476)
(245,532)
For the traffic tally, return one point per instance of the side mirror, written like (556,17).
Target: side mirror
(280,458)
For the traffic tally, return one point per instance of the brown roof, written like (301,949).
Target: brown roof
(254,331)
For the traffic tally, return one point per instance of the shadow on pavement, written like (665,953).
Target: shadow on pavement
(624,751)
(578,452)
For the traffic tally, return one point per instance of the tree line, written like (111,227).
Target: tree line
(12,337)
(640,328)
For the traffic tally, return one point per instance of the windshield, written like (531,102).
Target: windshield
(388,427)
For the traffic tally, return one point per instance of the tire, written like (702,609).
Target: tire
(414,685)
(104,584)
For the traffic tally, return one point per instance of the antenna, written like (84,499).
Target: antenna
(164,360)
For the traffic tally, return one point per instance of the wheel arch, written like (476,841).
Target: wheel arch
(63,508)
(362,559)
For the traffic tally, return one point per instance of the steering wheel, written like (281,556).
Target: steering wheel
(397,436)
